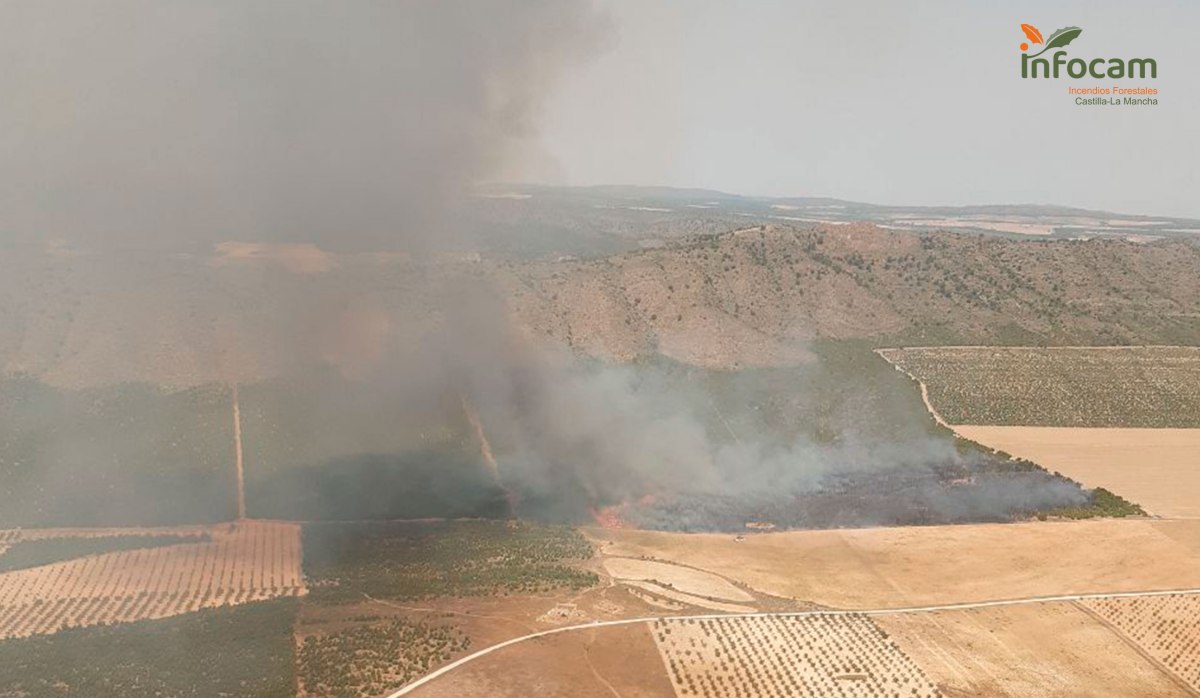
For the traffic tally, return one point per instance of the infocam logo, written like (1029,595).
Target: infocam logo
(1057,63)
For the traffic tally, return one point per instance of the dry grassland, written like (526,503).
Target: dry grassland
(653,600)
(250,561)
(1158,469)
(842,655)
(592,663)
(685,579)
(1031,650)
(927,565)
(680,597)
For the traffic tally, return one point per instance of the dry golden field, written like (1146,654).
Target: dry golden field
(926,565)
(660,593)
(1121,418)
(243,562)
(1159,469)
(1110,646)
(599,662)
(1045,649)
(685,579)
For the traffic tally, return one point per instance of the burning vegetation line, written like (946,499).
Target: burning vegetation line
(485,451)
(724,421)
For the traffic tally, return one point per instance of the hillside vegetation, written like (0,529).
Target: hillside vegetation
(756,296)
(106,456)
(722,300)
(1061,386)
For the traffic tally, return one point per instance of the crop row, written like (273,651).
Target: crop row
(249,561)
(1167,627)
(823,655)
(1063,386)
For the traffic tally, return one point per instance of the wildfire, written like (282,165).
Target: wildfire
(610,516)
(485,451)
(614,515)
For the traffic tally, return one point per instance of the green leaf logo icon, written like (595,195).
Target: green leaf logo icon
(1060,38)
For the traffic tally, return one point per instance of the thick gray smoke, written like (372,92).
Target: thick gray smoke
(351,125)
(572,435)
(216,127)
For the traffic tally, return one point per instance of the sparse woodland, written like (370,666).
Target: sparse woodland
(240,651)
(371,659)
(1059,386)
(424,560)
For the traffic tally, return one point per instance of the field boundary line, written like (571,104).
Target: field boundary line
(1069,598)
(1132,644)
(1111,347)
(924,390)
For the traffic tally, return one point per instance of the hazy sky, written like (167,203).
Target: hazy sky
(358,122)
(886,102)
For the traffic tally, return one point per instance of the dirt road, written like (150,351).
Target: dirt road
(789,614)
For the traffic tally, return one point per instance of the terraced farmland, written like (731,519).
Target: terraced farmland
(1058,386)
(1164,626)
(249,561)
(823,655)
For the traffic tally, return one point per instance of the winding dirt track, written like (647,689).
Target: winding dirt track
(786,614)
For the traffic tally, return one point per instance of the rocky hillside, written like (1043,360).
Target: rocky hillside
(754,296)
(751,297)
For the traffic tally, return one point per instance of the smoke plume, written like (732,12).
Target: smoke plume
(349,125)
(283,132)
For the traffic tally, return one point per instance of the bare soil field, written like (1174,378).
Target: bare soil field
(1131,386)
(929,565)
(1053,649)
(1158,469)
(249,561)
(845,655)
(593,663)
